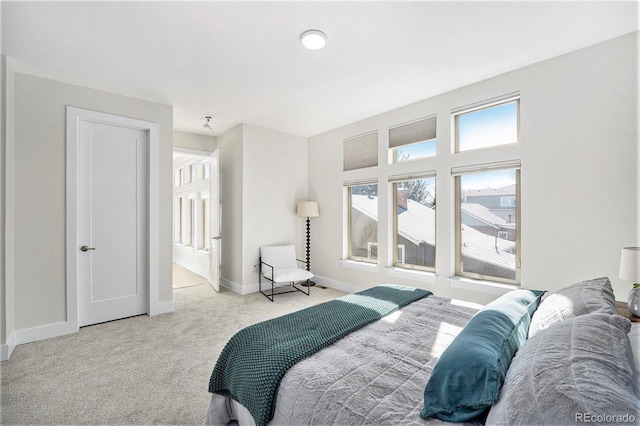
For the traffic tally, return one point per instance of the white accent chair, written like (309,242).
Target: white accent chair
(278,265)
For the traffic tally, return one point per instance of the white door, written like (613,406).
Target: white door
(214,218)
(112,239)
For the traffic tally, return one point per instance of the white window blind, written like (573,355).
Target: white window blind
(361,182)
(361,151)
(416,131)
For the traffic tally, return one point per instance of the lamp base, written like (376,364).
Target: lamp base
(634,301)
(309,284)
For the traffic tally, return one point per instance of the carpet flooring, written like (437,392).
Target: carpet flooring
(138,371)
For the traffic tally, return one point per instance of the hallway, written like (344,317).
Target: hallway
(185,278)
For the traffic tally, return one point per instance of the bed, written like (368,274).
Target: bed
(431,360)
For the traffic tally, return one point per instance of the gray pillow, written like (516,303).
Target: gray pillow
(578,299)
(577,371)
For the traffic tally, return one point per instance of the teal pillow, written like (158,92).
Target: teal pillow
(467,378)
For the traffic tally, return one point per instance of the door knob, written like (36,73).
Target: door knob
(216,238)
(85,248)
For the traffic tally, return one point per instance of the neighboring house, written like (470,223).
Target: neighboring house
(417,240)
(484,220)
(499,201)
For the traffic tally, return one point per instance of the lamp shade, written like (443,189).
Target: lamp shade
(630,264)
(308,209)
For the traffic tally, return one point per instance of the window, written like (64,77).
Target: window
(487,126)
(177,225)
(413,140)
(192,224)
(192,172)
(414,224)
(487,231)
(508,201)
(206,219)
(188,224)
(178,177)
(189,174)
(363,222)
(206,169)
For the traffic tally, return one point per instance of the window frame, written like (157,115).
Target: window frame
(458,227)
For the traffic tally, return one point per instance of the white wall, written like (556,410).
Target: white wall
(3,144)
(579,179)
(39,206)
(231,171)
(7,326)
(263,174)
(189,142)
(275,179)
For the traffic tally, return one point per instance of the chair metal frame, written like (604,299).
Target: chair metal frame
(273,286)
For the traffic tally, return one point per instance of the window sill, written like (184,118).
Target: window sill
(360,266)
(481,286)
(416,275)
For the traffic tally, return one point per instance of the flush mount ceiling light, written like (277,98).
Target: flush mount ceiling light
(313,39)
(207,125)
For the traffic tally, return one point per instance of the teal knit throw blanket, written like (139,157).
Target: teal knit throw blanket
(256,358)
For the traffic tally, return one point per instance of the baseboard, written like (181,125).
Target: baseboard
(162,308)
(337,285)
(233,286)
(7,349)
(255,287)
(45,332)
(251,288)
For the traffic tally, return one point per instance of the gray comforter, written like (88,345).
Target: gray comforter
(375,375)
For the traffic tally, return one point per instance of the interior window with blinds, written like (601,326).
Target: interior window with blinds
(361,151)
(413,140)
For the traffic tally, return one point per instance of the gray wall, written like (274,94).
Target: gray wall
(39,208)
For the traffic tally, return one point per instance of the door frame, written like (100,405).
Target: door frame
(214,240)
(74,117)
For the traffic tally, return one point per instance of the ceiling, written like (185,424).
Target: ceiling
(242,62)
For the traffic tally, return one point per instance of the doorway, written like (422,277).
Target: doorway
(195,228)
(182,277)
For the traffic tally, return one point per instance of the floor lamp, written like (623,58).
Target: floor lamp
(308,209)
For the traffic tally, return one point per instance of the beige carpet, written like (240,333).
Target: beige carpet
(141,370)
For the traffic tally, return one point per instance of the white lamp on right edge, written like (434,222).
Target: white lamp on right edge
(630,270)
